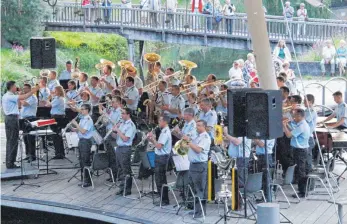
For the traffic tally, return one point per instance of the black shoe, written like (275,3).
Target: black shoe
(86,185)
(27,158)
(163,203)
(301,195)
(121,193)
(12,166)
(58,157)
(31,159)
(198,215)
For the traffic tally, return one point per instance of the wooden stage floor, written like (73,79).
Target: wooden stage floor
(56,194)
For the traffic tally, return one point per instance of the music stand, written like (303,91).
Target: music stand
(22,183)
(145,160)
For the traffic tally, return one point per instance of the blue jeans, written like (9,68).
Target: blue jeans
(209,23)
(229,25)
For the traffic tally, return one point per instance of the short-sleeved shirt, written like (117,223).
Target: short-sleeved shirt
(220,107)
(52,84)
(300,134)
(83,85)
(65,75)
(236,151)
(341,112)
(189,129)
(71,95)
(210,88)
(132,94)
(138,82)
(31,109)
(341,52)
(311,119)
(163,98)
(97,91)
(269,146)
(211,119)
(58,106)
(110,79)
(203,140)
(195,108)
(44,94)
(115,116)
(86,123)
(10,103)
(177,102)
(80,103)
(128,128)
(165,139)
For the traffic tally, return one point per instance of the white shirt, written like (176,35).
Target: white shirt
(83,85)
(177,102)
(203,140)
(97,91)
(31,109)
(235,73)
(10,103)
(132,94)
(109,79)
(65,75)
(138,82)
(52,84)
(328,53)
(165,139)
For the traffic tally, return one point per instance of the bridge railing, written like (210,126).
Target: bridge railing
(191,23)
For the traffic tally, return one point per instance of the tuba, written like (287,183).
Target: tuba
(151,59)
(181,147)
(124,66)
(187,67)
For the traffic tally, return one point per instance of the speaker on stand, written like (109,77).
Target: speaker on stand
(42,52)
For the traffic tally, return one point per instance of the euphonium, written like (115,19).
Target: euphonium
(181,147)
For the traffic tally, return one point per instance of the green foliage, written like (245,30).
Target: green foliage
(21,20)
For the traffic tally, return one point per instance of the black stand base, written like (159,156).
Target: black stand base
(22,184)
(74,176)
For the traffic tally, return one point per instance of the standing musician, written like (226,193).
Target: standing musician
(71,95)
(299,133)
(177,103)
(95,93)
(11,111)
(151,75)
(192,97)
(132,72)
(53,81)
(235,151)
(84,130)
(163,149)
(208,115)
(131,95)
(83,81)
(311,119)
(28,112)
(85,99)
(125,131)
(222,100)
(58,113)
(340,113)
(209,87)
(172,80)
(199,148)
(157,69)
(162,97)
(66,74)
(108,80)
(190,84)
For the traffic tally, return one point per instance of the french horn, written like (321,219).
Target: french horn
(181,148)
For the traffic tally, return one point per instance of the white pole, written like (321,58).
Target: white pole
(261,44)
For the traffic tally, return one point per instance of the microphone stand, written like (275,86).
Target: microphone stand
(21,165)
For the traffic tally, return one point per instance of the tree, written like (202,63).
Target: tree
(21,19)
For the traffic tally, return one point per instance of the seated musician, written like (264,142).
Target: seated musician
(208,115)
(131,95)
(125,131)
(299,132)
(84,129)
(85,99)
(95,93)
(209,86)
(83,81)
(53,81)
(261,163)
(28,112)
(176,105)
(192,98)
(171,80)
(199,148)
(44,92)
(137,81)
(162,97)
(151,75)
(190,84)
(58,113)
(311,119)
(71,95)
(66,74)
(162,149)
(157,69)
(108,80)
(236,150)
(340,113)
(222,100)
(295,101)
(285,95)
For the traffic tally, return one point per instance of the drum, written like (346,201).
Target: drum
(72,139)
(97,138)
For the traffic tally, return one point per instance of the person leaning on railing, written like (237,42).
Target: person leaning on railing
(302,17)
(229,11)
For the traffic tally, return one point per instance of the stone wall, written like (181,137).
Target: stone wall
(310,68)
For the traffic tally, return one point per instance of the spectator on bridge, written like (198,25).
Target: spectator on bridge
(171,6)
(229,11)
(328,54)
(217,15)
(107,10)
(288,13)
(282,52)
(154,5)
(197,6)
(86,3)
(341,57)
(126,14)
(208,10)
(144,5)
(302,17)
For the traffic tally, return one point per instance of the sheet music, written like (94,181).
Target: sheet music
(181,162)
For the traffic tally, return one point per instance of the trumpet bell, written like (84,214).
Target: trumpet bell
(187,64)
(181,148)
(152,57)
(123,63)
(107,62)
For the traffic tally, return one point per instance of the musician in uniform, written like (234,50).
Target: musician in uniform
(58,113)
(340,113)
(131,95)
(28,112)
(199,148)
(208,115)
(299,132)
(71,95)
(285,95)
(95,93)
(157,69)
(53,82)
(192,97)
(171,80)
(66,74)
(176,105)
(137,80)
(84,129)
(163,149)
(43,92)
(11,111)
(162,97)
(311,119)
(125,131)
(209,87)
(222,100)
(108,79)
(83,81)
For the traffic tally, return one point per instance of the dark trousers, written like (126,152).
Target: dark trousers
(198,181)
(261,167)
(240,163)
(160,175)
(110,143)
(284,154)
(85,146)
(12,136)
(57,138)
(29,140)
(123,158)
(229,25)
(300,158)
(311,144)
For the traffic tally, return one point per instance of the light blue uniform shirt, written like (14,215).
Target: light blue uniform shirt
(203,140)
(236,151)
(189,129)
(165,139)
(86,123)
(177,102)
(52,84)
(58,106)
(31,109)
(97,91)
(311,119)
(132,94)
(300,134)
(128,128)
(341,112)
(220,107)
(44,94)
(83,85)
(269,144)
(10,103)
(70,95)
(65,75)
(115,116)
(211,119)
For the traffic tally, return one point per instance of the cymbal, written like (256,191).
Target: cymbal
(107,62)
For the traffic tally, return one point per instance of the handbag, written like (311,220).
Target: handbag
(218,18)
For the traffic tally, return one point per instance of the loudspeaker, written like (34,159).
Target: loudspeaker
(237,111)
(264,114)
(42,52)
